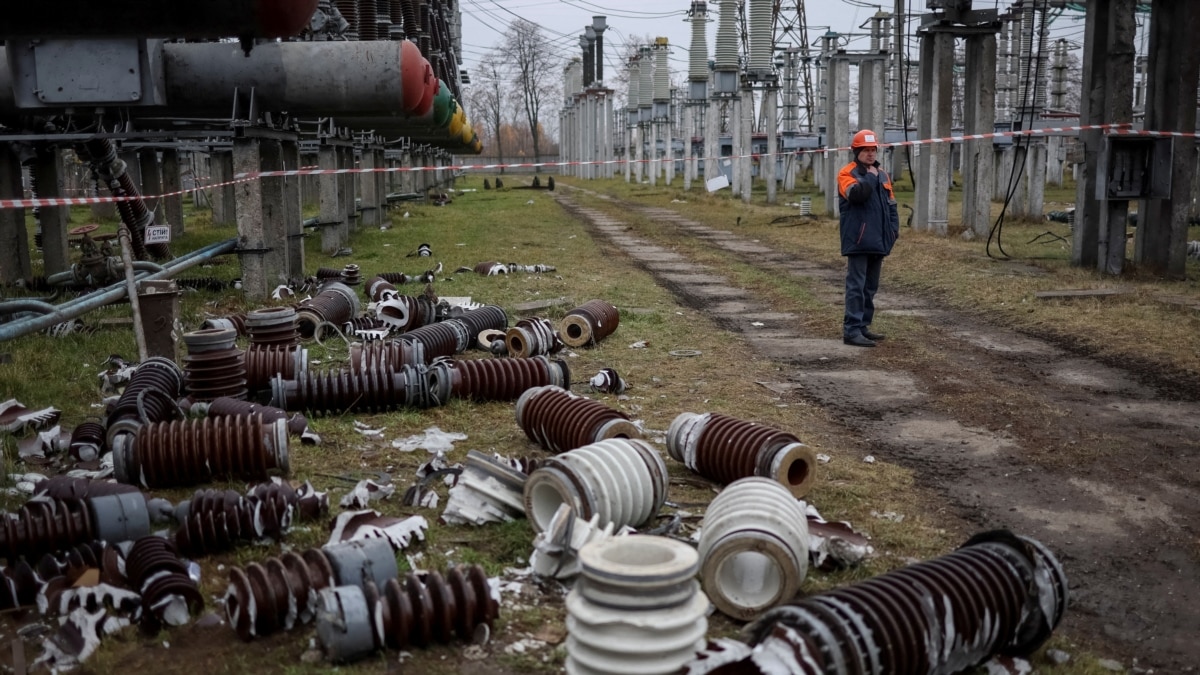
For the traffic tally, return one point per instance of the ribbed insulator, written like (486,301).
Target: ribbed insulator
(589,323)
(364,324)
(324,273)
(71,562)
(351,274)
(379,288)
(491,268)
(395,12)
(235,321)
(623,481)
(646,86)
(662,72)
(272,326)
(724,449)
(403,313)
(43,526)
(558,420)
(390,355)
(420,611)
(87,441)
(214,365)
(217,520)
(372,389)
(753,547)
(203,284)
(444,338)
(533,336)
(500,379)
(998,594)
(264,362)
(336,303)
(71,488)
(698,54)
(762,37)
(635,81)
(366,20)
(186,452)
(636,603)
(102,155)
(395,277)
(488,317)
(349,12)
(20,585)
(154,570)
(726,53)
(149,397)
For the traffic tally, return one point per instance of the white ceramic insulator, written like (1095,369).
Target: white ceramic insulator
(646,86)
(662,73)
(394,312)
(635,79)
(698,55)
(753,547)
(726,57)
(556,549)
(487,492)
(637,610)
(683,436)
(622,481)
(762,38)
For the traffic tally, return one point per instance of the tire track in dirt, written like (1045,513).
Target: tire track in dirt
(1014,431)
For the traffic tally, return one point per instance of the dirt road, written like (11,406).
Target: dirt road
(1098,461)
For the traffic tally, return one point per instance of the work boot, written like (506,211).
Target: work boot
(878,337)
(858,341)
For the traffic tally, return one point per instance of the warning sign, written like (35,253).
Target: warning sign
(158,234)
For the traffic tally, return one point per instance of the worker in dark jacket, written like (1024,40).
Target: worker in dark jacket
(870,226)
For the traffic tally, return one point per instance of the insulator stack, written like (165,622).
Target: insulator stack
(149,397)
(43,525)
(216,520)
(420,611)
(324,273)
(278,594)
(87,442)
(351,275)
(998,594)
(154,569)
(264,362)
(366,20)
(499,379)
(371,389)
(445,338)
(336,303)
(379,288)
(395,277)
(383,19)
(491,268)
(235,321)
(532,337)
(214,365)
(397,14)
(186,452)
(272,326)
(589,323)
(488,317)
(403,313)
(724,449)
(558,420)
(203,284)
(391,355)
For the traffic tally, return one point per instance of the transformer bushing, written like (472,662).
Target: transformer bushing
(43,525)
(444,338)
(214,365)
(264,362)
(216,520)
(154,570)
(391,355)
(280,593)
(354,621)
(272,326)
(374,388)
(336,303)
(532,337)
(589,323)
(623,481)
(150,396)
(753,547)
(997,594)
(186,452)
(558,420)
(724,449)
(496,379)
(102,155)
(636,603)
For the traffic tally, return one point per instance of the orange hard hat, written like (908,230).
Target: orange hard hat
(864,139)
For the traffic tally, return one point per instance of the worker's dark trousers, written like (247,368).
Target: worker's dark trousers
(862,281)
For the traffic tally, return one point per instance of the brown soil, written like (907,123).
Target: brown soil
(1097,461)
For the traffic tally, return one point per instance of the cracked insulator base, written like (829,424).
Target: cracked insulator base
(589,323)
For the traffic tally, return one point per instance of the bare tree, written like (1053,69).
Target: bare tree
(489,99)
(533,71)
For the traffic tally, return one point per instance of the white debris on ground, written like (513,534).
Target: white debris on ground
(891,516)
(433,440)
(823,458)
(365,492)
(834,545)
(1008,665)
(367,430)
(355,525)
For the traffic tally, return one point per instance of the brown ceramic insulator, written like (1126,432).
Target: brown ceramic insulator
(235,321)
(351,275)
(504,379)
(589,323)
(438,339)
(942,615)
(378,288)
(87,442)
(72,562)
(43,526)
(186,452)
(264,362)
(371,389)
(224,407)
(216,521)
(20,585)
(67,487)
(725,449)
(306,503)
(390,355)
(420,612)
(138,216)
(366,20)
(491,268)
(154,569)
(202,284)
(395,277)
(272,326)
(263,599)
(214,373)
(396,13)
(336,303)
(532,337)
(483,318)
(404,313)
(558,420)
(149,397)
(362,323)
(328,273)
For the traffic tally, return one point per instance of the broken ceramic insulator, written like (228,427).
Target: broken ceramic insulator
(272,326)
(997,594)
(479,319)
(589,323)
(496,379)
(328,273)
(282,592)
(230,407)
(87,442)
(533,337)
(264,362)
(336,303)
(403,313)
(390,355)
(753,547)
(558,420)
(186,452)
(488,491)
(607,381)
(637,603)
(395,277)
(44,525)
(490,268)
(444,338)
(351,275)
(623,481)
(556,549)
(376,388)
(237,322)
(68,487)
(149,397)
(169,594)
(724,449)
(214,365)
(379,288)
(492,340)
(216,520)
(422,610)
